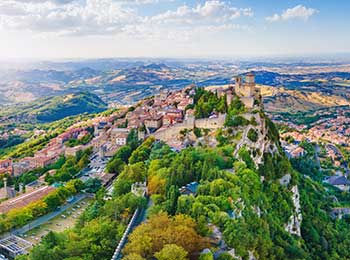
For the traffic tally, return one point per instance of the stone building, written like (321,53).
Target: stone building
(154,122)
(247,90)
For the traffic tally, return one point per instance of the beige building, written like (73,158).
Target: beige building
(121,138)
(120,135)
(154,122)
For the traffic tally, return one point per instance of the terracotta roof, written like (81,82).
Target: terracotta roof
(106,177)
(25,199)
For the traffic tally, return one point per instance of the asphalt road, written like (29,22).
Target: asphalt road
(42,220)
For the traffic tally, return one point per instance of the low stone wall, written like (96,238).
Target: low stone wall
(122,242)
(170,133)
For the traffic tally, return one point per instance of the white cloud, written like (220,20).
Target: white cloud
(186,23)
(211,11)
(62,2)
(142,1)
(93,17)
(44,1)
(112,17)
(297,12)
(273,18)
(153,32)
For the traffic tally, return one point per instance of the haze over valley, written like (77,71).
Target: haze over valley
(124,82)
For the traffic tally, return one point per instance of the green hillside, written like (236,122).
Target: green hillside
(54,108)
(238,199)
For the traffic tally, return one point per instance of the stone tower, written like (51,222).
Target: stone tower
(250,81)
(6,188)
(247,90)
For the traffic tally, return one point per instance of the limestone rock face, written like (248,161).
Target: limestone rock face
(293,226)
(262,145)
(285,180)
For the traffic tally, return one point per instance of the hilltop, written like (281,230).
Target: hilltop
(53,108)
(220,186)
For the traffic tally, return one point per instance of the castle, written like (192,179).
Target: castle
(247,90)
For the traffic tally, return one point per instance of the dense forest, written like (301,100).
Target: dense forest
(238,208)
(249,213)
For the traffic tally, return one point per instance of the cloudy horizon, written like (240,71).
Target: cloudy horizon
(170,28)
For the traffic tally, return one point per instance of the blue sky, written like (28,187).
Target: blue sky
(172,28)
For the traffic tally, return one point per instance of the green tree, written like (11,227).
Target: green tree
(133,257)
(225,256)
(52,201)
(171,252)
(116,165)
(252,135)
(206,256)
(92,185)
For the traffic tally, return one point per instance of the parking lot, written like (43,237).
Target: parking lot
(66,220)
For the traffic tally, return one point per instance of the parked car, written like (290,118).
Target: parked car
(2,257)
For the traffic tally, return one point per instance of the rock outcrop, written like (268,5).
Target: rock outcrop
(293,226)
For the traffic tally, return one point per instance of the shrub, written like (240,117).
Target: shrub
(245,156)
(197,132)
(252,135)
(225,256)
(236,121)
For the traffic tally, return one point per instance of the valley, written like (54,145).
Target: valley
(209,147)
(126,82)
(232,156)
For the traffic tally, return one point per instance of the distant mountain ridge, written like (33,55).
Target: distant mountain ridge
(125,81)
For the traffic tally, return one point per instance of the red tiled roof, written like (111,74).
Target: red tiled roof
(25,199)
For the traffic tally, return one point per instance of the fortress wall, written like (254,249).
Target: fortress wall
(169,133)
(244,91)
(173,131)
(211,123)
(248,101)
(247,116)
